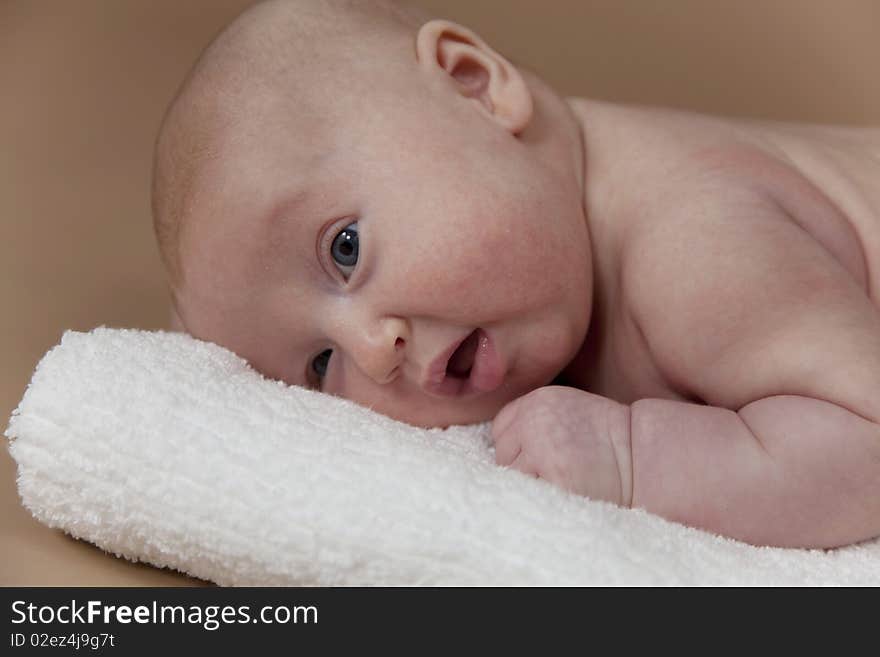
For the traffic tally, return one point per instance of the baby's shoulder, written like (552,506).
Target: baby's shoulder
(726,284)
(716,246)
(738,193)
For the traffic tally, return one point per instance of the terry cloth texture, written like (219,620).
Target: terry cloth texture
(161,448)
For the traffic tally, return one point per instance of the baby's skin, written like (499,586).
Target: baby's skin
(659,309)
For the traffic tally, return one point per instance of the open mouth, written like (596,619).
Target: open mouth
(472,367)
(462,359)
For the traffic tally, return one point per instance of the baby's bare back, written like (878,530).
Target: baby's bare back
(648,168)
(843,163)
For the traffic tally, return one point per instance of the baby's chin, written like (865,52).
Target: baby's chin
(435,413)
(439,418)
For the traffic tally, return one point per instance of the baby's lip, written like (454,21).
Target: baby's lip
(487,372)
(436,371)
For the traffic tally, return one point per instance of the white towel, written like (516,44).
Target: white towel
(164,449)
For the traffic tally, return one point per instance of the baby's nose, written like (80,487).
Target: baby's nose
(379,350)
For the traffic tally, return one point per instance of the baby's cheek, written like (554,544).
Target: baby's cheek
(495,257)
(461,274)
(415,408)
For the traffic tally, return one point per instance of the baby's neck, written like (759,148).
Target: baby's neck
(554,133)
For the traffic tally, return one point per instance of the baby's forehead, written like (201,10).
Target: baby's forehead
(306,48)
(302,62)
(261,177)
(273,91)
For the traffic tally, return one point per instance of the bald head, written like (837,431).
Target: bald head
(299,53)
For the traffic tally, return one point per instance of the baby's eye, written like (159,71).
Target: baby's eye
(319,364)
(344,249)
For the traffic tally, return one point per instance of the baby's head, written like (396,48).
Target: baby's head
(345,191)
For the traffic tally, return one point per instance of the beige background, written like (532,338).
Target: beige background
(84,83)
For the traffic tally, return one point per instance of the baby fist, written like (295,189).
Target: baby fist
(572,438)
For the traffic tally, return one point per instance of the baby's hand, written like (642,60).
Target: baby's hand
(572,438)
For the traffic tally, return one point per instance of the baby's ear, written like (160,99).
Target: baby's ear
(477,70)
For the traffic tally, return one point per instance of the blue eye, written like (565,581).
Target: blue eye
(319,364)
(344,249)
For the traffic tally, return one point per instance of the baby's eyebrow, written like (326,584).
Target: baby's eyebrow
(283,209)
(277,230)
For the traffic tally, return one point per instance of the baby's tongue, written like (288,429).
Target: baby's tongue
(463,359)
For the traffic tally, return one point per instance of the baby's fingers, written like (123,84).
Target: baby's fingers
(523,463)
(506,434)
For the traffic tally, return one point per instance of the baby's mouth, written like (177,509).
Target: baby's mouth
(462,359)
(474,367)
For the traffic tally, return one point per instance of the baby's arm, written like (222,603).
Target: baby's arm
(789,471)
(752,315)
(786,471)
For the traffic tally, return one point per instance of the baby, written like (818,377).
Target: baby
(703,292)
